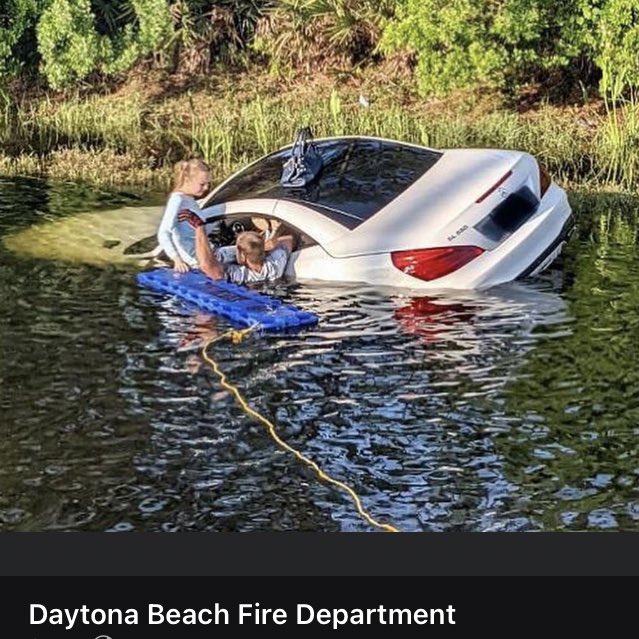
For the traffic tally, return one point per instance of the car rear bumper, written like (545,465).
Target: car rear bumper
(544,260)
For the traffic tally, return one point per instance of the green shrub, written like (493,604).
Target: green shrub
(17,23)
(149,31)
(460,43)
(617,46)
(68,42)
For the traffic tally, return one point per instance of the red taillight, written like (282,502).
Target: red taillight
(544,180)
(479,200)
(430,264)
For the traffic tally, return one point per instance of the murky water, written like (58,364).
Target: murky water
(515,409)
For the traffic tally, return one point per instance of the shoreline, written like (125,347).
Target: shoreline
(132,134)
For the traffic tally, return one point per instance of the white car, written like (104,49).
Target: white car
(398,214)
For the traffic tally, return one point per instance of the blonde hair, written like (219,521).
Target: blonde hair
(252,246)
(185,170)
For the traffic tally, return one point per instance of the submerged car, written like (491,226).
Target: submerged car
(397,214)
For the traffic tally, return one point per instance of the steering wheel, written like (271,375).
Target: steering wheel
(226,233)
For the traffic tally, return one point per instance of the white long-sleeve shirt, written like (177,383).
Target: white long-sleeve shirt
(178,238)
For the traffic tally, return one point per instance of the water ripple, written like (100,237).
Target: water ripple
(508,410)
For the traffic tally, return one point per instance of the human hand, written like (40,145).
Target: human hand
(193,219)
(180,266)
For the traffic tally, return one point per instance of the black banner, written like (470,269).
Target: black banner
(118,608)
(318,554)
(115,586)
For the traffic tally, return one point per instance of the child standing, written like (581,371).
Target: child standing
(175,237)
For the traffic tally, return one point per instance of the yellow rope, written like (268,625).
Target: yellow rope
(236,338)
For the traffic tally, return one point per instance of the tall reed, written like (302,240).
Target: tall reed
(617,143)
(229,132)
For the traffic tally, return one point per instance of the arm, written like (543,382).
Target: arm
(285,242)
(165,234)
(208,263)
(275,263)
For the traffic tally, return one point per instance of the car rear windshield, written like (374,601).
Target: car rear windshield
(359,177)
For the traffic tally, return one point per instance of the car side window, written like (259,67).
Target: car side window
(270,225)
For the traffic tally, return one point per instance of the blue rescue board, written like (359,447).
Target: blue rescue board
(240,305)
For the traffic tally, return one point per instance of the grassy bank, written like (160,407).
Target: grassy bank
(132,136)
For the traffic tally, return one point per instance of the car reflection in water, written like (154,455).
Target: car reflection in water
(429,317)
(514,312)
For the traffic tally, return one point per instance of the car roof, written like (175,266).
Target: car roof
(360,176)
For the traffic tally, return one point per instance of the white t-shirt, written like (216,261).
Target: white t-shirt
(178,238)
(272,269)
(226,254)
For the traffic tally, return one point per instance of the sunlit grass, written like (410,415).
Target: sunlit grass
(116,139)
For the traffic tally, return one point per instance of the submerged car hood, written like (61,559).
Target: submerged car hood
(418,216)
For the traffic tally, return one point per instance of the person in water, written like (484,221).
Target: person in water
(248,263)
(177,238)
